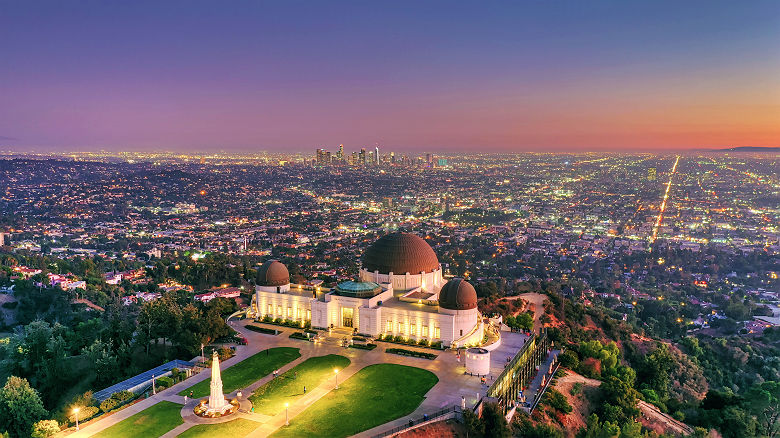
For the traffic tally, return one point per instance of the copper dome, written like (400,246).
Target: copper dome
(273,273)
(400,253)
(458,294)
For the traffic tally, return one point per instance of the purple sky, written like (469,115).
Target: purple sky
(412,76)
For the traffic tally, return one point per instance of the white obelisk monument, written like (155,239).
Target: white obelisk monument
(217,402)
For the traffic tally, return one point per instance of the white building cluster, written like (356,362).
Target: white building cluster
(400,292)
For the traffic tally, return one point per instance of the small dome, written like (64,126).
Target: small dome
(358,289)
(400,253)
(273,273)
(458,294)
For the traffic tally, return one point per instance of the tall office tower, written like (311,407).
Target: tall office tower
(370,157)
(651,174)
(340,154)
(354,160)
(320,157)
(428,159)
(392,157)
(327,157)
(362,156)
(376,155)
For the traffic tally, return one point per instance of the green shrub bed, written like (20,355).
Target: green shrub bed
(263,330)
(284,322)
(363,346)
(299,335)
(412,353)
(424,343)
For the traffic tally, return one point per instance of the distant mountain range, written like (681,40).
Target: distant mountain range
(749,149)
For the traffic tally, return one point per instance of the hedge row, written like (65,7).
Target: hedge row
(116,400)
(412,353)
(437,345)
(263,330)
(299,335)
(284,322)
(363,346)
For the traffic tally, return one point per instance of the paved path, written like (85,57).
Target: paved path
(453,383)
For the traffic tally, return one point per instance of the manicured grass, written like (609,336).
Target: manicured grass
(235,429)
(375,395)
(153,421)
(270,398)
(247,371)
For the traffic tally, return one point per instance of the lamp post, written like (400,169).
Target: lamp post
(336,371)
(286,414)
(76,413)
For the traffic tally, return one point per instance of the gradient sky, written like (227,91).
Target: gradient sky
(411,76)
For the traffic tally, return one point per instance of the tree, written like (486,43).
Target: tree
(495,422)
(525,321)
(473,423)
(104,362)
(45,428)
(569,359)
(620,401)
(763,400)
(20,407)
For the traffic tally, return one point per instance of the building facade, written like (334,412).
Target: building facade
(400,292)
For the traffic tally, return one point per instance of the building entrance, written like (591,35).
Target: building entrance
(347,316)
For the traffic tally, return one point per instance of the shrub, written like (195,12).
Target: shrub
(164,382)
(359,338)
(85,414)
(109,404)
(363,346)
(423,342)
(122,396)
(45,428)
(398,338)
(576,388)
(436,345)
(558,401)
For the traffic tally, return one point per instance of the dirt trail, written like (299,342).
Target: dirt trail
(656,420)
(535,303)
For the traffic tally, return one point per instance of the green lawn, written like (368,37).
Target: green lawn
(153,421)
(247,371)
(270,398)
(237,428)
(375,395)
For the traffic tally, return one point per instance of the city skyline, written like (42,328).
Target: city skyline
(442,78)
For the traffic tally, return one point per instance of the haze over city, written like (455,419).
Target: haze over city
(409,76)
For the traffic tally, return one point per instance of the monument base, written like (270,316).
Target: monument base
(202,409)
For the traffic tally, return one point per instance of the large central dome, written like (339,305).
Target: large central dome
(273,273)
(400,253)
